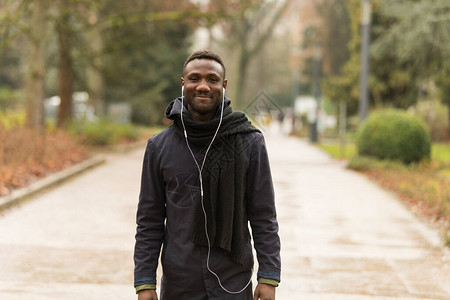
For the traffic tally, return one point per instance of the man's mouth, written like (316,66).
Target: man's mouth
(203,97)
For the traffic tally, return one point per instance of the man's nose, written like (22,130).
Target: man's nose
(203,86)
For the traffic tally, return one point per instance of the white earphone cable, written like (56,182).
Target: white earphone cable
(200,169)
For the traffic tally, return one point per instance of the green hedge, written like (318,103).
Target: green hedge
(394,135)
(103,132)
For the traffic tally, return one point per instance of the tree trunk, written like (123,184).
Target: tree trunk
(243,60)
(448,120)
(95,78)
(65,70)
(247,52)
(35,92)
(241,79)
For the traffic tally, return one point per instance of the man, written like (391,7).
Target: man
(204,179)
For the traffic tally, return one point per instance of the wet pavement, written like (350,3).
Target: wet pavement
(75,241)
(345,238)
(342,236)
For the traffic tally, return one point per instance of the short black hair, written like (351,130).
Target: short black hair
(205,54)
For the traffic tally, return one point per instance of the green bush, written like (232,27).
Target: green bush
(394,135)
(103,132)
(129,132)
(11,119)
(10,99)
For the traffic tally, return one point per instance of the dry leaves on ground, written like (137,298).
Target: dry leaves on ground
(26,156)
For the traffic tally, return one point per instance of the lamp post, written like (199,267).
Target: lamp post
(364,75)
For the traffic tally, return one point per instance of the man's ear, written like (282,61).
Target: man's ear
(182,81)
(225,82)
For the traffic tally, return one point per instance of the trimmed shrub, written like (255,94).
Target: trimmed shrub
(103,132)
(394,135)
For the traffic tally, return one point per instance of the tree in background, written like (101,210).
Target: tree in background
(11,51)
(65,62)
(39,22)
(334,35)
(28,20)
(325,39)
(391,82)
(119,51)
(269,70)
(94,61)
(246,27)
(419,36)
(131,52)
(36,69)
(344,86)
(144,53)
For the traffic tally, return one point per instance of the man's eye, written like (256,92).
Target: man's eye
(213,80)
(193,79)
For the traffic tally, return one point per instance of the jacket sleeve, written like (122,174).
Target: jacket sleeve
(150,219)
(261,211)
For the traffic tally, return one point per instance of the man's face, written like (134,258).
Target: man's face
(203,82)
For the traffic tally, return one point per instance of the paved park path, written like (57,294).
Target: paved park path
(342,236)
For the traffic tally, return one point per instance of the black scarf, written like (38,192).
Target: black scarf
(223,180)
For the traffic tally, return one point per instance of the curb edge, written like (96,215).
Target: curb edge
(21,195)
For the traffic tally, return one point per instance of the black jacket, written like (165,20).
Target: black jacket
(169,190)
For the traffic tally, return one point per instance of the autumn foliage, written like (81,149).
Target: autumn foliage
(26,155)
